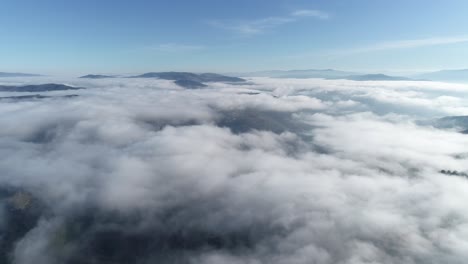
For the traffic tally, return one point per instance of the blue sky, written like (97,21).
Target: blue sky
(90,36)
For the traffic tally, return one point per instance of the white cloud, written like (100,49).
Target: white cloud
(311,13)
(351,178)
(256,26)
(384,46)
(411,43)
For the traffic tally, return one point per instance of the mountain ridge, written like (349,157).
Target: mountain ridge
(446,75)
(37,88)
(96,76)
(18,74)
(191,80)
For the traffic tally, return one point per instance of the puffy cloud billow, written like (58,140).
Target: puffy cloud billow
(275,171)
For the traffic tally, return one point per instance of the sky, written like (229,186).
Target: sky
(88,36)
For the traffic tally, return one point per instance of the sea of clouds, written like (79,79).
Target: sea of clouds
(286,171)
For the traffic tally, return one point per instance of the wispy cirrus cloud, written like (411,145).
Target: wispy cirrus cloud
(311,13)
(385,46)
(174,47)
(257,26)
(411,43)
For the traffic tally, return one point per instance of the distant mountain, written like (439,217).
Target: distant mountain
(35,96)
(458,123)
(302,74)
(374,77)
(174,76)
(191,80)
(446,75)
(213,77)
(190,84)
(204,77)
(96,76)
(37,88)
(329,74)
(17,74)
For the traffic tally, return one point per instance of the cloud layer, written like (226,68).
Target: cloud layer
(279,171)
